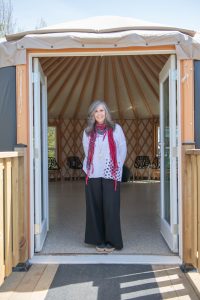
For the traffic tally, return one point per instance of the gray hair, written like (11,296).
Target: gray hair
(91,118)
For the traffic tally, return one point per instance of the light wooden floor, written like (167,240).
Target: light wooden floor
(140,221)
(31,285)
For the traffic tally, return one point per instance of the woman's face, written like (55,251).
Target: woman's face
(100,114)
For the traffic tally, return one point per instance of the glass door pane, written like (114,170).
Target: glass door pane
(168,130)
(41,156)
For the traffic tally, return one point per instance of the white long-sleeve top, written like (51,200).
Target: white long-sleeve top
(102,162)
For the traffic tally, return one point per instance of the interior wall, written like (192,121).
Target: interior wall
(140,136)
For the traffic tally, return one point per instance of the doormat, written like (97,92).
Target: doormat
(119,282)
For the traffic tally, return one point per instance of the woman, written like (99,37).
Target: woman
(105,152)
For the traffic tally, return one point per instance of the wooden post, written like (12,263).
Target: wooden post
(8,218)
(198,210)
(194,210)
(2,264)
(192,214)
(187,139)
(23,206)
(15,209)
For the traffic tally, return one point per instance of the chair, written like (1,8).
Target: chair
(141,165)
(75,166)
(126,174)
(155,168)
(54,169)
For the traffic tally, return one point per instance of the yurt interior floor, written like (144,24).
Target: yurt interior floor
(140,207)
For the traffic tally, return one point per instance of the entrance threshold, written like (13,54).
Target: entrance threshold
(106,259)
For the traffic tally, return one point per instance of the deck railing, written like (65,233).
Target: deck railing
(13,211)
(191,208)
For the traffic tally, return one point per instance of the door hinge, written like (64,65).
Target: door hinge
(175,229)
(37,229)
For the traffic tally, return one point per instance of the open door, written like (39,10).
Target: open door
(168,132)
(40,155)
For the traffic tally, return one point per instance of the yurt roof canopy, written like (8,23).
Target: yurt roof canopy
(104,24)
(99,32)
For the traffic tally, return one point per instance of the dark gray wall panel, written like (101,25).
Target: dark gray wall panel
(8,127)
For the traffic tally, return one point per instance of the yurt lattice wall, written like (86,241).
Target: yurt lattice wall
(139,136)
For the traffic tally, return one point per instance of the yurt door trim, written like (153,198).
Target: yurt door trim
(169,203)
(35,56)
(39,150)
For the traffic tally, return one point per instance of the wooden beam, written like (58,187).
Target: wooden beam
(2,233)
(116,89)
(134,48)
(198,209)
(149,65)
(162,58)
(157,62)
(135,79)
(44,60)
(79,70)
(15,209)
(187,100)
(48,64)
(58,73)
(8,218)
(146,76)
(86,81)
(194,232)
(55,67)
(106,80)
(69,72)
(127,85)
(96,79)
(55,63)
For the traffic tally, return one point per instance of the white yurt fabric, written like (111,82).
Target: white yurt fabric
(99,32)
(102,24)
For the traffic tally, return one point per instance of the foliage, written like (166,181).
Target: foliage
(51,141)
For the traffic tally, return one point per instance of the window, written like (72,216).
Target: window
(52,142)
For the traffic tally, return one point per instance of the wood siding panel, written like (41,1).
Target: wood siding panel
(187,100)
(22,104)
(191,217)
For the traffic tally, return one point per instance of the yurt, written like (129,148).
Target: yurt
(149,76)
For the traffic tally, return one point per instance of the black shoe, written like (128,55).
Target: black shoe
(109,248)
(101,247)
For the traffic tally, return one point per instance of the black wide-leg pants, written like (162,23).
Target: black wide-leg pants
(103,212)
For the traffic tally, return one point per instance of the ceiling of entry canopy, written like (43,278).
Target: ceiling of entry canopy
(129,84)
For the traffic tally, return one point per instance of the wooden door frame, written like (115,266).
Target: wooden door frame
(87,52)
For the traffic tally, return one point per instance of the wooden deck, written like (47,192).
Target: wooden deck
(33,284)
(167,281)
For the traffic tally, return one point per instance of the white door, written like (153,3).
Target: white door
(168,131)
(40,155)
